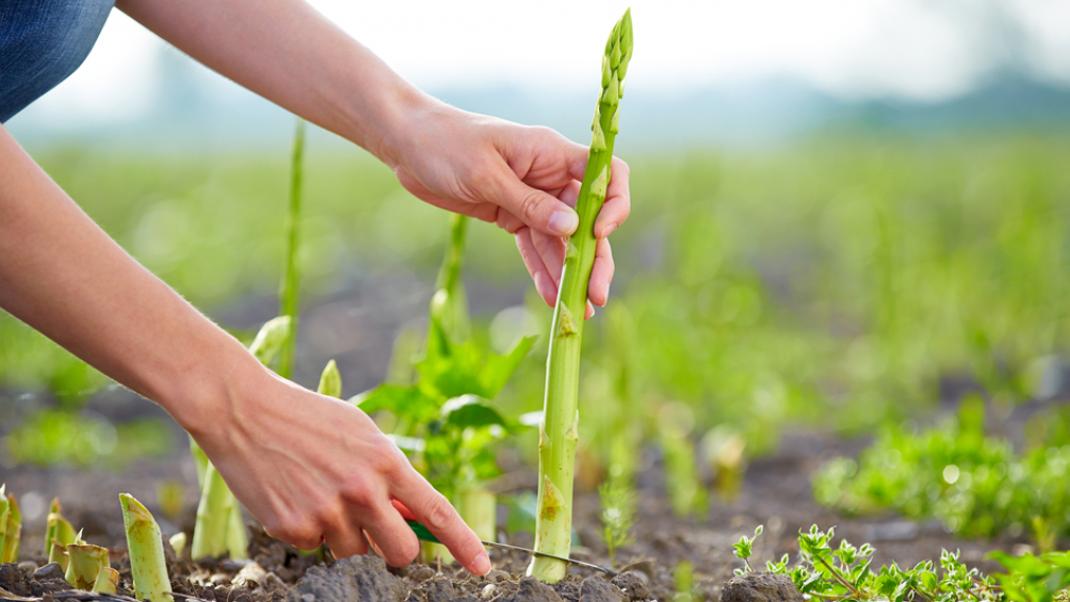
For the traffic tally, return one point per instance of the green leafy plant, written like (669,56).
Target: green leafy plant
(845,572)
(976,484)
(559,432)
(1034,578)
(445,421)
(618,514)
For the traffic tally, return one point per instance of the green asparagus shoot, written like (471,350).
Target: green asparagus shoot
(213,517)
(559,432)
(330,381)
(684,576)
(148,566)
(58,533)
(12,532)
(5,506)
(107,581)
(288,293)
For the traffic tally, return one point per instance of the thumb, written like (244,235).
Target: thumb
(539,210)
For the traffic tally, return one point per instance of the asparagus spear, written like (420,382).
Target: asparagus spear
(558,435)
(330,381)
(148,566)
(213,517)
(9,551)
(5,509)
(58,531)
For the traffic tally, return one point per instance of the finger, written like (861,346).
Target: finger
(551,250)
(544,283)
(618,203)
(570,193)
(601,273)
(433,511)
(509,222)
(394,540)
(346,540)
(536,208)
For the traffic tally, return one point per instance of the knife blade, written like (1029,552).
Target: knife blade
(423,534)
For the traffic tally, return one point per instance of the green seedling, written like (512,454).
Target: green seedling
(687,493)
(148,566)
(10,527)
(560,428)
(744,549)
(444,419)
(618,515)
(684,577)
(845,572)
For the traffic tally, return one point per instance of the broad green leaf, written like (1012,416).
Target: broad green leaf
(401,400)
(469,411)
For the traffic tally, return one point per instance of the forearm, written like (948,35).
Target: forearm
(61,274)
(287,52)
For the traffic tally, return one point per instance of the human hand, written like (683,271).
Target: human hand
(525,179)
(314,469)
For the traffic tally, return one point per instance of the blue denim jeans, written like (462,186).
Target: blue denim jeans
(41,43)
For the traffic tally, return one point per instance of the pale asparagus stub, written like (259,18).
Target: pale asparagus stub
(148,567)
(559,431)
(9,551)
(213,517)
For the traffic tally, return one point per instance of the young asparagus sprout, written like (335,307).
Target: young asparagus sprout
(330,381)
(148,567)
(107,581)
(85,562)
(5,510)
(213,517)
(178,542)
(288,293)
(13,532)
(558,435)
(58,534)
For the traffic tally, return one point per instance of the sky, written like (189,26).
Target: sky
(925,50)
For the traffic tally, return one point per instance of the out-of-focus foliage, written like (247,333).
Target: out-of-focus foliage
(62,437)
(975,484)
(830,282)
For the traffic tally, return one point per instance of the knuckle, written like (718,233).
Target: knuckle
(439,512)
(303,534)
(529,204)
(356,491)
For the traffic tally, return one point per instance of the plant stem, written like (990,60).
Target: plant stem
(148,567)
(558,435)
(478,507)
(5,509)
(58,531)
(288,295)
(213,517)
(449,309)
(9,551)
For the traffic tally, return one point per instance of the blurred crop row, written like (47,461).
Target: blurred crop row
(838,283)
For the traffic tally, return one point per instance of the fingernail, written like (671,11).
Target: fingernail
(563,222)
(481,565)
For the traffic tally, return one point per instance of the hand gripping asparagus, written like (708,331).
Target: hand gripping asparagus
(558,435)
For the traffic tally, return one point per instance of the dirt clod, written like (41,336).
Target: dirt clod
(531,590)
(597,589)
(633,584)
(760,587)
(14,579)
(354,579)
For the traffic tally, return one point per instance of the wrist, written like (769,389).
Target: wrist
(207,401)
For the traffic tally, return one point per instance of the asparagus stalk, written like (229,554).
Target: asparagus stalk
(148,567)
(5,509)
(213,517)
(288,293)
(477,505)
(84,564)
(9,551)
(107,581)
(558,434)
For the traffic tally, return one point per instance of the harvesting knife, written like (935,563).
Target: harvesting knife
(424,535)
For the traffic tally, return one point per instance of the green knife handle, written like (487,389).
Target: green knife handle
(421,531)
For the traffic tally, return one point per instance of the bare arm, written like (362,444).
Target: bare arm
(305,465)
(522,178)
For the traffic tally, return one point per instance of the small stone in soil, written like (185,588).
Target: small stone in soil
(760,587)
(597,589)
(14,580)
(48,579)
